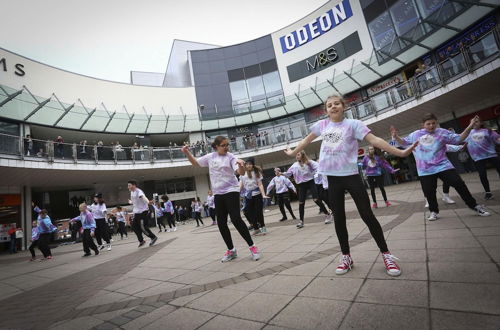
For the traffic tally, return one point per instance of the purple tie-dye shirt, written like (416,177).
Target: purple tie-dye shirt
(373,167)
(211,201)
(302,173)
(339,148)
(221,169)
(481,143)
(281,183)
(430,154)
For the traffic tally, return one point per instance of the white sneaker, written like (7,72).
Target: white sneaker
(109,247)
(168,230)
(345,264)
(447,199)
(481,211)
(229,255)
(433,216)
(255,253)
(426,204)
(175,228)
(328,219)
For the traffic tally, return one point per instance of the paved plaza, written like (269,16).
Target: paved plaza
(450,278)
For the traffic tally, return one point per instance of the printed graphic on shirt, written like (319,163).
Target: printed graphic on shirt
(372,163)
(426,140)
(477,137)
(333,138)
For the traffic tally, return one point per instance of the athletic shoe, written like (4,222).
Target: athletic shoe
(488,195)
(481,211)
(49,258)
(283,219)
(345,264)
(229,255)
(256,232)
(390,265)
(96,252)
(447,199)
(168,230)
(300,224)
(426,204)
(142,243)
(255,253)
(387,203)
(153,241)
(109,247)
(433,216)
(263,230)
(100,247)
(328,219)
(374,206)
(87,254)
(175,228)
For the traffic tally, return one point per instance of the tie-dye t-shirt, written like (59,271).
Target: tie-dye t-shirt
(339,148)
(221,169)
(373,167)
(251,184)
(430,154)
(302,173)
(281,183)
(481,143)
(211,201)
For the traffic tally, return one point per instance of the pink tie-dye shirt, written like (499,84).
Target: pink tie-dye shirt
(302,173)
(221,169)
(339,148)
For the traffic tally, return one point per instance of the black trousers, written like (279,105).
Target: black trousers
(88,242)
(323,195)
(161,222)
(337,185)
(229,204)
(101,231)
(255,212)
(197,217)
(375,181)
(170,220)
(43,244)
(122,229)
(481,169)
(32,247)
(284,200)
(449,177)
(140,226)
(304,187)
(211,211)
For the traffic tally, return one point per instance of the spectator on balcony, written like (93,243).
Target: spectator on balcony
(59,147)
(28,145)
(82,149)
(100,149)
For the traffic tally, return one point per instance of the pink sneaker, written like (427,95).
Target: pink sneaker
(390,265)
(255,253)
(387,203)
(374,206)
(229,255)
(345,265)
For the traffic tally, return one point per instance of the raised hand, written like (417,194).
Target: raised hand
(185,149)
(408,150)
(288,151)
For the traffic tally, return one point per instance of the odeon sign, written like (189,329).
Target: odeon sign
(326,22)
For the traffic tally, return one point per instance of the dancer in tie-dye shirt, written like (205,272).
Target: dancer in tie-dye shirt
(222,166)
(373,163)
(303,171)
(481,145)
(282,184)
(338,161)
(432,163)
(211,207)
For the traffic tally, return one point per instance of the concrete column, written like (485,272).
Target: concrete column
(26,215)
(202,186)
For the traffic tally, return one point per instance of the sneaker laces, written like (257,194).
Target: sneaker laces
(228,253)
(389,262)
(480,208)
(253,249)
(345,262)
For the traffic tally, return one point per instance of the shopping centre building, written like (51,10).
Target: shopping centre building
(393,60)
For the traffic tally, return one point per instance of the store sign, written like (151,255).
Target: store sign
(18,68)
(326,58)
(388,83)
(320,25)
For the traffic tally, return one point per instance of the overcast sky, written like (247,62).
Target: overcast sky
(109,38)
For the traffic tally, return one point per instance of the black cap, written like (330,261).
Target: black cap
(250,160)
(98,195)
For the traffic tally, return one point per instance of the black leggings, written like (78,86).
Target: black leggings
(161,222)
(284,199)
(88,242)
(197,217)
(229,204)
(140,226)
(303,188)
(254,211)
(170,220)
(375,181)
(43,244)
(121,229)
(32,247)
(101,231)
(451,178)
(337,185)
(481,169)
(323,195)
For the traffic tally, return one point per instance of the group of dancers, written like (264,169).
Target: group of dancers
(335,173)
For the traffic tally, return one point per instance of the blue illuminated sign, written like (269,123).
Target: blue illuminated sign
(338,14)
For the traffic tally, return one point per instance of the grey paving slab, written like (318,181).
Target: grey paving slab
(446,320)
(83,323)
(394,292)
(473,272)
(217,301)
(333,288)
(258,306)
(182,318)
(146,319)
(225,322)
(285,284)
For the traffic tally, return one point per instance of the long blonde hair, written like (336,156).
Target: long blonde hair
(303,158)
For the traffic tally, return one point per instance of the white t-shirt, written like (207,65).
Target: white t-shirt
(98,210)
(221,169)
(250,184)
(139,204)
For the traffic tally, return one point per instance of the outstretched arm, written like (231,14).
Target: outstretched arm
(466,131)
(301,146)
(190,156)
(381,144)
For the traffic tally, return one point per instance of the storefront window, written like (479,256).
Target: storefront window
(239,96)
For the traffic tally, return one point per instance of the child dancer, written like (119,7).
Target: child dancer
(34,240)
(160,216)
(303,171)
(481,145)
(222,166)
(373,165)
(211,207)
(322,186)
(45,230)
(338,161)
(99,211)
(432,162)
(168,210)
(141,210)
(282,185)
(88,228)
(197,207)
(120,218)
(251,182)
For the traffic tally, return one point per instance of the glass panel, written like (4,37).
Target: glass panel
(483,49)
(157,124)
(97,122)
(404,15)
(427,79)
(364,110)
(381,101)
(18,108)
(402,92)
(192,125)
(138,124)
(272,84)
(241,120)
(239,96)
(427,7)
(175,124)
(9,144)
(382,31)
(453,66)
(48,114)
(119,123)
(260,116)
(256,90)
(210,124)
